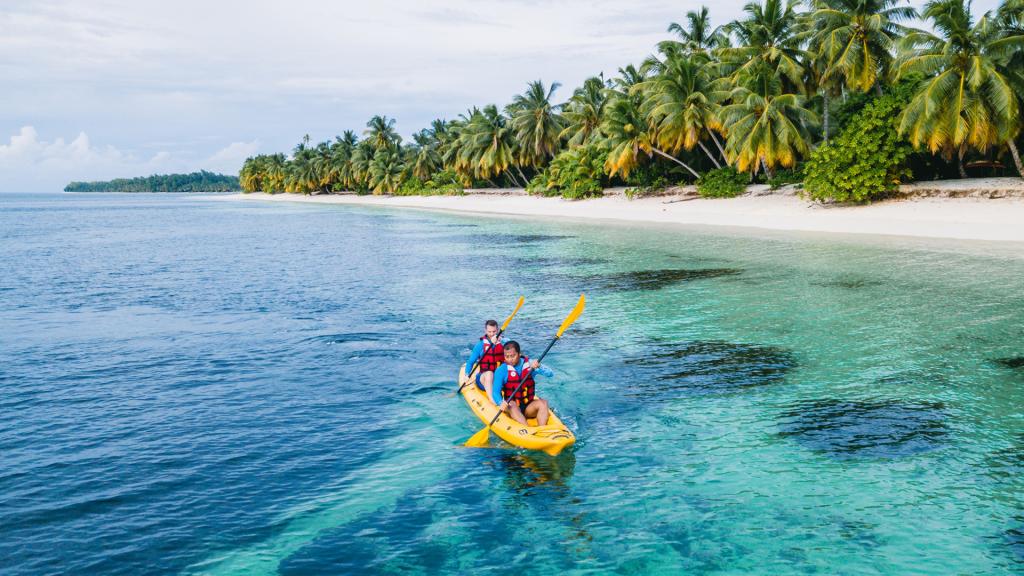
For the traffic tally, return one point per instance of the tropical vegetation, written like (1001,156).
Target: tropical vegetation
(851,96)
(201,181)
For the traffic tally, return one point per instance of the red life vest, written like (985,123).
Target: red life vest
(494,354)
(525,393)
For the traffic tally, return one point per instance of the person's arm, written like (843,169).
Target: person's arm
(478,352)
(540,369)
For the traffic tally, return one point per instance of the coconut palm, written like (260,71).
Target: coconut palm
(769,46)
(486,144)
(425,158)
(967,99)
(766,131)
(681,103)
(627,134)
(698,35)
(537,123)
(380,131)
(856,39)
(387,170)
(582,113)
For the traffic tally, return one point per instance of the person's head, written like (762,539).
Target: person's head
(491,328)
(512,353)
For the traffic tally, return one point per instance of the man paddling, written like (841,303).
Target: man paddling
(489,352)
(517,370)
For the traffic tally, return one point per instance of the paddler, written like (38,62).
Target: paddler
(489,351)
(507,378)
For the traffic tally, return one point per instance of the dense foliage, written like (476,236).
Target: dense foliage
(724,182)
(867,161)
(756,96)
(202,181)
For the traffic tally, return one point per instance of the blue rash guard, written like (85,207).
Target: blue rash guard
(501,377)
(477,354)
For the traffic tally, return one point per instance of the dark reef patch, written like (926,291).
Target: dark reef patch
(708,366)
(865,428)
(1014,362)
(654,279)
(849,282)
(499,239)
(1014,538)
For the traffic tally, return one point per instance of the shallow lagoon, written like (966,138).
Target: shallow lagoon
(199,386)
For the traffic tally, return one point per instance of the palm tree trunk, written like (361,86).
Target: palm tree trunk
(710,155)
(1016,157)
(719,145)
(825,117)
(525,179)
(676,160)
(960,163)
(764,165)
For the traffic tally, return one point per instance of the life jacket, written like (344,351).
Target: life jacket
(494,354)
(525,393)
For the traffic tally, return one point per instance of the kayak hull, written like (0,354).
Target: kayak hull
(551,438)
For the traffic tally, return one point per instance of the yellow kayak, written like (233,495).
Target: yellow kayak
(551,439)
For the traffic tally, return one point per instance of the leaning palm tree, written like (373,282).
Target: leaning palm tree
(627,134)
(582,113)
(967,99)
(387,171)
(682,104)
(425,158)
(537,124)
(766,131)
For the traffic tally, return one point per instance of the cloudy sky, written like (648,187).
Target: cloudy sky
(108,88)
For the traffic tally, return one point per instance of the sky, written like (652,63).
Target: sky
(120,88)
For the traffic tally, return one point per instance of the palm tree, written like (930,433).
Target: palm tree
(387,170)
(698,35)
(582,113)
(627,134)
(380,131)
(425,157)
(967,100)
(766,131)
(681,103)
(537,124)
(769,45)
(486,144)
(855,39)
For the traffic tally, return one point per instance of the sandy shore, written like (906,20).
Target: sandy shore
(999,219)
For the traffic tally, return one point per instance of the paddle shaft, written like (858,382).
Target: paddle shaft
(524,378)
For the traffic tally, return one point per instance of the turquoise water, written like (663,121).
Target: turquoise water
(197,386)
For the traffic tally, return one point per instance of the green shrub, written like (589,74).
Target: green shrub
(868,160)
(443,183)
(574,174)
(723,182)
(786,176)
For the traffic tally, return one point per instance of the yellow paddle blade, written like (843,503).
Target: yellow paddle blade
(572,316)
(480,439)
(513,314)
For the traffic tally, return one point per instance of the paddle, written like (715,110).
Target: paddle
(498,335)
(482,437)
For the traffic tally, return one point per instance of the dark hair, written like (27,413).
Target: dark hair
(513,345)
(491,323)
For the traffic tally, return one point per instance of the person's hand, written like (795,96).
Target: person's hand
(503,407)
(534,364)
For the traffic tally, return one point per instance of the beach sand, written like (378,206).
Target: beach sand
(973,218)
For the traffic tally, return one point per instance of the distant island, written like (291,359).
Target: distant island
(201,181)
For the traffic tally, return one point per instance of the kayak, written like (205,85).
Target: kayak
(552,438)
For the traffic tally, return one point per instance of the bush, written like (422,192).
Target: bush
(574,174)
(868,160)
(786,176)
(722,183)
(443,183)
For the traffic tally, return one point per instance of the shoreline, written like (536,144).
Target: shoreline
(960,218)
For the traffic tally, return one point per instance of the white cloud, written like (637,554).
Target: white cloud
(31,164)
(228,159)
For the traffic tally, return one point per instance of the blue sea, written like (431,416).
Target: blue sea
(210,386)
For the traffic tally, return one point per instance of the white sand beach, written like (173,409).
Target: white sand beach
(981,209)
